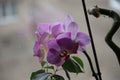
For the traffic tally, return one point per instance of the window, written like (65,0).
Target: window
(115,4)
(7,9)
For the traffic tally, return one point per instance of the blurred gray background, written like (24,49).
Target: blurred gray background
(18,21)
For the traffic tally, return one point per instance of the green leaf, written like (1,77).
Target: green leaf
(36,73)
(71,66)
(40,75)
(57,77)
(49,67)
(78,60)
(43,63)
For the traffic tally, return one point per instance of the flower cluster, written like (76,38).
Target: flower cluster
(59,40)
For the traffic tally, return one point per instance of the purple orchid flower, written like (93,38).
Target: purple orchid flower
(68,41)
(60,50)
(59,40)
(70,26)
(61,47)
(42,33)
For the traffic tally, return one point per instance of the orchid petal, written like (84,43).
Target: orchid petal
(68,44)
(81,48)
(53,57)
(36,48)
(44,37)
(44,27)
(37,35)
(52,44)
(38,51)
(61,62)
(82,39)
(57,29)
(73,28)
(67,21)
(64,35)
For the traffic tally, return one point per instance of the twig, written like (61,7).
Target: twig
(92,42)
(91,66)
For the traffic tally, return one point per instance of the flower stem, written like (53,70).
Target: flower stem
(92,41)
(67,74)
(91,65)
(55,71)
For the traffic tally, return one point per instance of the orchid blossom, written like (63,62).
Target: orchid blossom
(42,33)
(68,25)
(59,40)
(60,49)
(68,40)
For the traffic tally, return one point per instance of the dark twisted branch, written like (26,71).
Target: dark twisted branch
(116,25)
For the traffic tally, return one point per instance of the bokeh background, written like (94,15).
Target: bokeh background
(18,21)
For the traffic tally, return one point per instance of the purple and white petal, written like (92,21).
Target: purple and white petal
(57,29)
(52,44)
(43,27)
(37,35)
(64,35)
(36,49)
(53,57)
(82,38)
(73,28)
(44,37)
(67,21)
